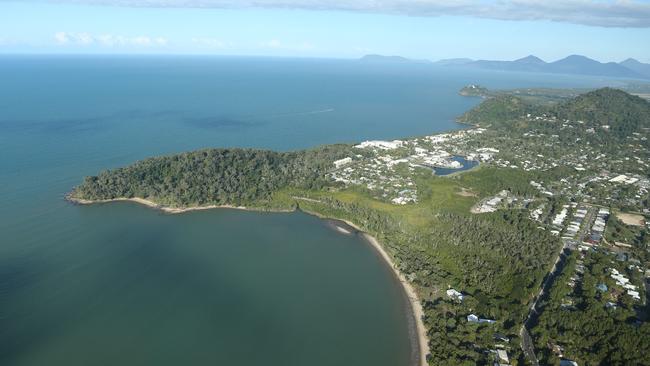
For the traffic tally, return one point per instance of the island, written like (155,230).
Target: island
(502,262)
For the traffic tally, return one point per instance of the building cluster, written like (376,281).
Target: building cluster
(572,229)
(541,188)
(387,168)
(592,177)
(598,229)
(624,282)
(491,204)
(596,174)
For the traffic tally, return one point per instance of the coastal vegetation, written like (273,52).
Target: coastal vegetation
(214,176)
(536,158)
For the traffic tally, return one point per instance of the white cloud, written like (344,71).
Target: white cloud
(210,43)
(279,45)
(61,37)
(107,40)
(604,13)
(274,43)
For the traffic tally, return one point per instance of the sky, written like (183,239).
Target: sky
(423,29)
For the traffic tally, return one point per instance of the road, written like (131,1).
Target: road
(526,341)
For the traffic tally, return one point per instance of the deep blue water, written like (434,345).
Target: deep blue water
(122,284)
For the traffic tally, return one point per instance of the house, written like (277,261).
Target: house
(455,295)
(503,355)
(624,179)
(342,162)
(501,337)
(475,319)
(634,294)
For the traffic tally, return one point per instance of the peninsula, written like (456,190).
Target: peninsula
(475,251)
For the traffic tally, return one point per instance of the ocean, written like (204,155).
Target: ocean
(123,284)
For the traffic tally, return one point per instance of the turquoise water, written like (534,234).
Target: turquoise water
(122,284)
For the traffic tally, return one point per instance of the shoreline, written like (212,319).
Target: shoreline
(417,331)
(165,209)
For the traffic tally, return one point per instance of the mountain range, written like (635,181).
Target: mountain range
(574,64)
(391,59)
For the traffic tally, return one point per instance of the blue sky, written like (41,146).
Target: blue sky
(338,28)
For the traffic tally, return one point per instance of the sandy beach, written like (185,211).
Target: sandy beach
(151,204)
(417,331)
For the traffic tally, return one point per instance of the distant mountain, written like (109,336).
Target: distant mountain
(453,61)
(528,63)
(636,66)
(574,64)
(393,59)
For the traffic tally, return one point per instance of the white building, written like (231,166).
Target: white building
(384,145)
(455,295)
(503,355)
(342,162)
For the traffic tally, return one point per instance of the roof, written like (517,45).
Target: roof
(503,355)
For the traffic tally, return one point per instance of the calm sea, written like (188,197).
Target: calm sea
(119,284)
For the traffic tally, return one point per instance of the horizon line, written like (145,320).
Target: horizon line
(200,54)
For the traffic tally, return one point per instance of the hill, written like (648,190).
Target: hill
(499,111)
(616,111)
(622,112)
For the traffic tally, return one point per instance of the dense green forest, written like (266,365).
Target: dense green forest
(214,176)
(623,113)
(498,112)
